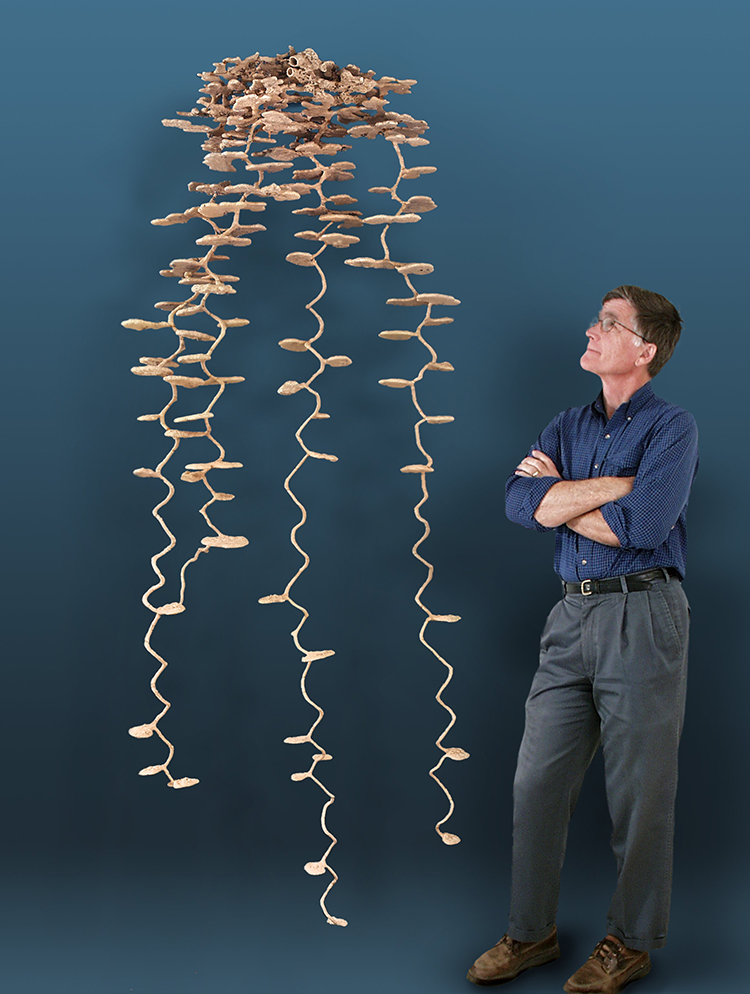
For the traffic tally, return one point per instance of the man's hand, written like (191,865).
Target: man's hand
(537,464)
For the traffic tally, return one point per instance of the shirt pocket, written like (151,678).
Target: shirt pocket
(623,462)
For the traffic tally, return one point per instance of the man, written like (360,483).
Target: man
(613,479)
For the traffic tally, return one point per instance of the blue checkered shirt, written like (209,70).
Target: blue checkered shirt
(647,438)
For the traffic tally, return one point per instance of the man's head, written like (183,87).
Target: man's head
(654,319)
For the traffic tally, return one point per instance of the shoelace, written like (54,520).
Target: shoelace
(609,953)
(513,944)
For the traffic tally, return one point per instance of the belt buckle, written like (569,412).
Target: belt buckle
(586,588)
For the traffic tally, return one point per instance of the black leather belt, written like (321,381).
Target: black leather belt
(622,584)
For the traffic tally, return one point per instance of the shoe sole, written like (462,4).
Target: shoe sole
(640,973)
(637,975)
(539,960)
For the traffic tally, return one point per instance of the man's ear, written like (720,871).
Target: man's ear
(647,354)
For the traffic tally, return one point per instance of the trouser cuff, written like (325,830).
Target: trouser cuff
(642,945)
(530,935)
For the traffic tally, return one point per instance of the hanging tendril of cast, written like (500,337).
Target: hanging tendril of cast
(406,210)
(249,106)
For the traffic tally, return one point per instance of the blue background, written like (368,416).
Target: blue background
(579,145)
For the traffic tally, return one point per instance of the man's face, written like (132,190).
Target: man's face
(614,352)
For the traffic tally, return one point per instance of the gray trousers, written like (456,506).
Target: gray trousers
(612,669)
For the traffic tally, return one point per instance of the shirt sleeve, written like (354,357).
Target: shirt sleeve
(523,494)
(644,517)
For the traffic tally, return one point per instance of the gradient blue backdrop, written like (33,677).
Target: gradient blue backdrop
(580,144)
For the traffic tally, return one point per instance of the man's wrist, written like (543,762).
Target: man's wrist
(616,486)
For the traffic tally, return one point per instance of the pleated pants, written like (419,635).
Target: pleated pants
(612,670)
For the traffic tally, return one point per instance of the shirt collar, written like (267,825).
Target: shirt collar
(639,399)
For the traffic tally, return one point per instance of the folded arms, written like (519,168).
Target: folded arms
(631,512)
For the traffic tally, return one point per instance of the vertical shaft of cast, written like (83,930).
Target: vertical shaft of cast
(310,260)
(202,278)
(412,208)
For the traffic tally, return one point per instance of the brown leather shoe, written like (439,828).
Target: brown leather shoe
(609,968)
(509,957)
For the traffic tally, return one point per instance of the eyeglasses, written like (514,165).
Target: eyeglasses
(608,324)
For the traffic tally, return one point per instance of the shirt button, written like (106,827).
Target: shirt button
(596,465)
(629,418)
(607,435)
(584,561)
